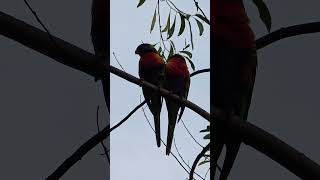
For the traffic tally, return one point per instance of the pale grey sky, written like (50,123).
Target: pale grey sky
(133,147)
(48,110)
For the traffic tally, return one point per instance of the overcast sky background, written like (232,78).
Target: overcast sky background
(133,146)
(48,110)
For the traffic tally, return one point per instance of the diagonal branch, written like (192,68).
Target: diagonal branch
(105,149)
(77,155)
(75,57)
(200,155)
(87,146)
(271,146)
(84,61)
(287,32)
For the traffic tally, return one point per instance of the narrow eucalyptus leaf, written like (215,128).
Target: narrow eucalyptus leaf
(167,25)
(187,53)
(203,18)
(140,3)
(171,30)
(264,13)
(153,20)
(183,24)
(200,27)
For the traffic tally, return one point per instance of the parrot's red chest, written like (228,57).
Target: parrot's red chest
(177,68)
(150,60)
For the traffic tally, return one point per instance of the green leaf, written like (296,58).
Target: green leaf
(167,25)
(190,62)
(206,136)
(183,24)
(206,130)
(153,20)
(187,45)
(264,13)
(187,53)
(140,3)
(162,55)
(200,27)
(171,51)
(203,18)
(174,47)
(159,50)
(203,162)
(171,30)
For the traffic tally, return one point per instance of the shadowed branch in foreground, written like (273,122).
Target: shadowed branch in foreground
(84,61)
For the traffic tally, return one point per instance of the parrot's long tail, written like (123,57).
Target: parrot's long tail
(172,116)
(157,129)
(231,154)
(170,138)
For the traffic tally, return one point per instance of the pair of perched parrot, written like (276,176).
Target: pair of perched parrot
(173,76)
(152,68)
(234,71)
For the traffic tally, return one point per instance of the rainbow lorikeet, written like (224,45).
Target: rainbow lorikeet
(177,80)
(99,38)
(151,69)
(234,71)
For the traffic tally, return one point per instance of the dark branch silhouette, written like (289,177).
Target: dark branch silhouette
(81,151)
(102,144)
(271,146)
(200,155)
(199,72)
(84,61)
(87,146)
(175,157)
(75,57)
(287,32)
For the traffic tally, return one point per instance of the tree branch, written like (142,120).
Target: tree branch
(102,143)
(84,61)
(77,155)
(271,146)
(87,146)
(204,150)
(290,31)
(75,57)
(199,72)
(163,92)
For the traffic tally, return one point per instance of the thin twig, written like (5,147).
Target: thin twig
(115,57)
(87,146)
(161,37)
(175,8)
(102,144)
(206,173)
(191,134)
(200,71)
(166,145)
(175,145)
(204,150)
(198,8)
(127,117)
(42,24)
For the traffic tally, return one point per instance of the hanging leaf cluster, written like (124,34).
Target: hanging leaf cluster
(171,27)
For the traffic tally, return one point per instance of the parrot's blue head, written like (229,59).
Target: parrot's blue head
(144,48)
